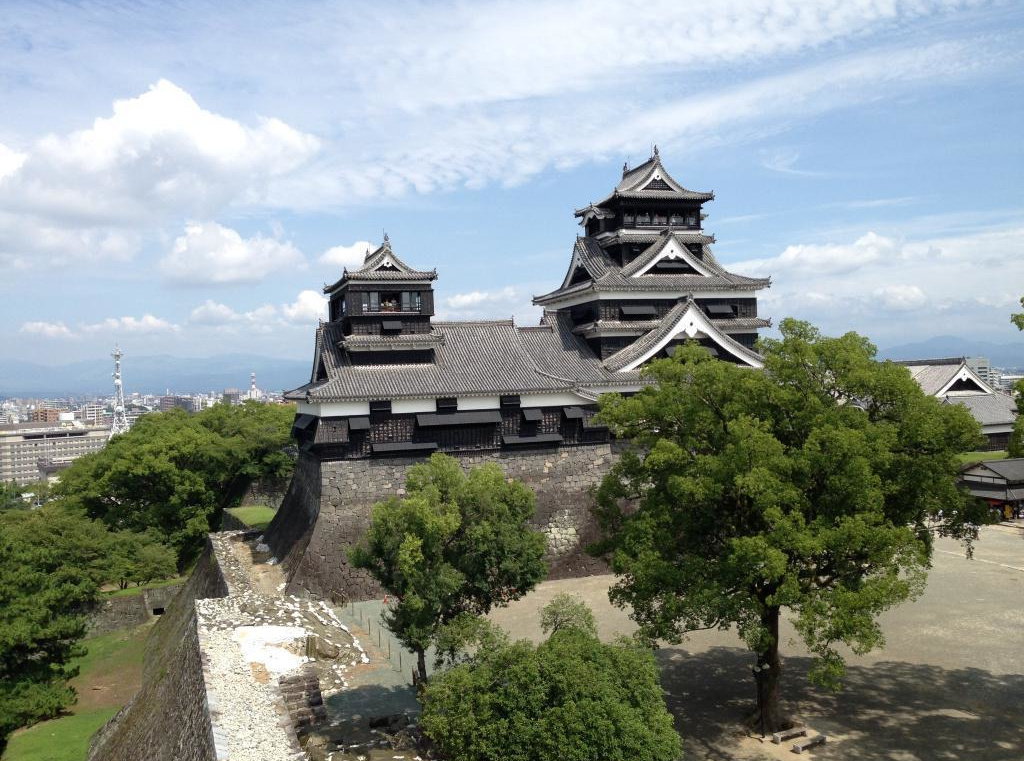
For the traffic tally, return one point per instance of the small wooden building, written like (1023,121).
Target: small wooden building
(998,482)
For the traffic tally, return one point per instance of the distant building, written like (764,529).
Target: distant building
(981,366)
(998,482)
(176,402)
(44,415)
(954,381)
(36,450)
(232,396)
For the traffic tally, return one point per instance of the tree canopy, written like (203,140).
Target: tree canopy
(571,698)
(174,473)
(811,485)
(454,544)
(51,565)
(1016,446)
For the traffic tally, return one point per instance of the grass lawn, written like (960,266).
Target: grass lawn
(256,516)
(110,673)
(979,456)
(152,585)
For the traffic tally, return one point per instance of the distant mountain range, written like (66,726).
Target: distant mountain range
(185,375)
(1003,355)
(153,375)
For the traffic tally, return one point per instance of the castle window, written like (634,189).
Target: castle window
(628,219)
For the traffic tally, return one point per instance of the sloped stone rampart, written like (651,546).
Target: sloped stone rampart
(168,718)
(327,510)
(232,672)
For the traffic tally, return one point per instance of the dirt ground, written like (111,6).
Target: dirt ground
(949,683)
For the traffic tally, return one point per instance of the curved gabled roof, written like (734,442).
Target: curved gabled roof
(686,319)
(384,265)
(650,180)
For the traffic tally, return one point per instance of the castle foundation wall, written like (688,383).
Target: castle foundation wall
(327,511)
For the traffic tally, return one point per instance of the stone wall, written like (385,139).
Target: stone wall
(168,719)
(116,613)
(327,510)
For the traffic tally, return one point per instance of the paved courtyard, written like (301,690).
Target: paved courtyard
(949,683)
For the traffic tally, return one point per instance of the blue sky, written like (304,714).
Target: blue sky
(184,177)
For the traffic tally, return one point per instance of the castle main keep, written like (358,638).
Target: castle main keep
(390,385)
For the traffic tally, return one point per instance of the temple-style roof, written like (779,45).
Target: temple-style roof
(482,358)
(688,321)
(988,409)
(639,327)
(648,181)
(606,275)
(384,265)
(936,376)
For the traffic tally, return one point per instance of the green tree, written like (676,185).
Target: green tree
(454,544)
(139,559)
(174,473)
(10,496)
(1016,446)
(812,485)
(51,565)
(571,698)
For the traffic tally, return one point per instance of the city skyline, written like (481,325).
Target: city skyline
(863,155)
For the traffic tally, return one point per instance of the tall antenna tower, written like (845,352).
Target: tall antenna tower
(120,424)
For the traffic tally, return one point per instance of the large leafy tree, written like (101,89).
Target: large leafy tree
(174,473)
(454,544)
(811,486)
(51,565)
(1016,447)
(571,698)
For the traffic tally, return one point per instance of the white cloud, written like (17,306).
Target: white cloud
(900,298)
(212,313)
(890,287)
(10,160)
(346,256)
(158,153)
(308,307)
(145,324)
(47,329)
(474,299)
(157,158)
(784,160)
(211,253)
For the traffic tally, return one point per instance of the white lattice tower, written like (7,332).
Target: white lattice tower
(120,424)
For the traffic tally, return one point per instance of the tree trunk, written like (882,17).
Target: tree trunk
(767,673)
(421,667)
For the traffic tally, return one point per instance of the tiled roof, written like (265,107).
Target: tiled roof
(627,235)
(1012,470)
(602,327)
(474,358)
(356,342)
(560,353)
(395,269)
(988,409)
(933,375)
(606,275)
(485,358)
(646,343)
(650,174)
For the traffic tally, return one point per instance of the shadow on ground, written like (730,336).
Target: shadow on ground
(355,707)
(888,710)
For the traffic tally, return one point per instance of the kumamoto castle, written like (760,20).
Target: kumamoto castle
(389,385)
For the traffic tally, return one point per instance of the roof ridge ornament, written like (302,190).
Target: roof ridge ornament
(625,169)
(654,153)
